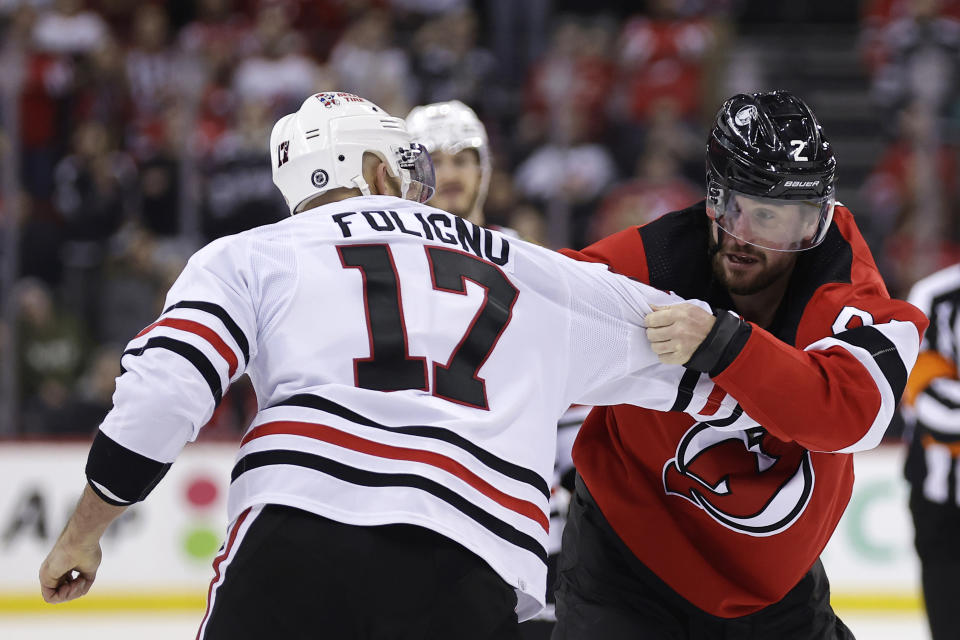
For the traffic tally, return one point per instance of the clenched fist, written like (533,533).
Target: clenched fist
(71,566)
(676,331)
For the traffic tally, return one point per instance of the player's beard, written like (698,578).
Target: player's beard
(742,284)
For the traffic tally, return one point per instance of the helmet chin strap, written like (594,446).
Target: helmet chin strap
(714,245)
(364,187)
(361,184)
(404,183)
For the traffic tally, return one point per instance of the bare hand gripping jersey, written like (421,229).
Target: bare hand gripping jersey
(409,368)
(731,516)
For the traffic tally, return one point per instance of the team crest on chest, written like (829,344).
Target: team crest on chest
(746,480)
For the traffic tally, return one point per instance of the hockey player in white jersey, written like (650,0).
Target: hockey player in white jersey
(460,150)
(410,369)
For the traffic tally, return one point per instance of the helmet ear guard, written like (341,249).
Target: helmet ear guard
(321,147)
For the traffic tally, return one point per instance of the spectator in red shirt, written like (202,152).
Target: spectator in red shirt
(658,187)
(662,56)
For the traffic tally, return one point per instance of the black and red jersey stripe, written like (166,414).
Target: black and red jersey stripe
(201,330)
(192,354)
(498,464)
(324,432)
(332,435)
(362,477)
(214,309)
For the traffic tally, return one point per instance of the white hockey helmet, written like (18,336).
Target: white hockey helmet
(321,147)
(450,127)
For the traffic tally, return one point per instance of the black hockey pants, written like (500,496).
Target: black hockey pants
(604,591)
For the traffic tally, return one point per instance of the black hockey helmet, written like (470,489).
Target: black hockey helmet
(771,174)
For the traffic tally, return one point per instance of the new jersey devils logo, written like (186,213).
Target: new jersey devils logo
(746,480)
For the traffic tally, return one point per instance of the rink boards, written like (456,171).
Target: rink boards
(158,555)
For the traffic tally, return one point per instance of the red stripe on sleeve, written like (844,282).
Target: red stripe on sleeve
(326,433)
(713,401)
(204,332)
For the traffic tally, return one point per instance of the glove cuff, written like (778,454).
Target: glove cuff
(722,345)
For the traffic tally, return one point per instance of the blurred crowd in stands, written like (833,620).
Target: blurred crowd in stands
(142,132)
(911,51)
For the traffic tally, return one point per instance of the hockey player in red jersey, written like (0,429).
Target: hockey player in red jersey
(410,368)
(697,529)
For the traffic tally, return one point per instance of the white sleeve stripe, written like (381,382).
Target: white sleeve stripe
(884,351)
(888,352)
(885,413)
(108,494)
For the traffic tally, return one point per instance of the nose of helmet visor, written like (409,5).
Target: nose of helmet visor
(776,224)
(418,178)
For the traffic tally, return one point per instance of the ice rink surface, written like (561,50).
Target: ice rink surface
(97,626)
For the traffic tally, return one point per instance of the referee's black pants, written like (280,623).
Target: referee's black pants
(937,541)
(604,591)
(290,574)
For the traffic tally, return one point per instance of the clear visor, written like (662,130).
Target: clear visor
(418,181)
(777,224)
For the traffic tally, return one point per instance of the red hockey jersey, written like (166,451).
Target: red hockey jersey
(732,518)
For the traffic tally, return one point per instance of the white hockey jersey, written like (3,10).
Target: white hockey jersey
(409,367)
